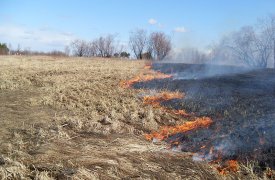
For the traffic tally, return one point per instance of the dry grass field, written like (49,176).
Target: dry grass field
(68,118)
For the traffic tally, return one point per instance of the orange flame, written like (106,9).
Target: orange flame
(147,75)
(179,112)
(144,78)
(231,166)
(147,66)
(167,131)
(156,99)
(164,96)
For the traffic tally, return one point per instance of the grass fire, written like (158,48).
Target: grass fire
(227,136)
(62,105)
(137,89)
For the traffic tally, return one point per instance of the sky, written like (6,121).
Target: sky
(47,25)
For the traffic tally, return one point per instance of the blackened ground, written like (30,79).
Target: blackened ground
(240,101)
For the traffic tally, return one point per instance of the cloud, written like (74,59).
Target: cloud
(42,38)
(152,21)
(180,29)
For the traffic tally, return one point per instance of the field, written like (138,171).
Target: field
(68,118)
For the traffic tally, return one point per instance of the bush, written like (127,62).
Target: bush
(4,50)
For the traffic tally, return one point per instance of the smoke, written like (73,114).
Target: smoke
(240,100)
(200,64)
(198,71)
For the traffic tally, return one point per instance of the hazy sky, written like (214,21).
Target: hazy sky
(51,24)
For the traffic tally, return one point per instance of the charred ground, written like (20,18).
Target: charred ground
(239,100)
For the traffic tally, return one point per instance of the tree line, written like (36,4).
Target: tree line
(156,46)
(7,50)
(100,47)
(250,45)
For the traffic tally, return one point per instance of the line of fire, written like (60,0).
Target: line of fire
(228,112)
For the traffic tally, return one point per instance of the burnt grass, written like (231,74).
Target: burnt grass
(239,100)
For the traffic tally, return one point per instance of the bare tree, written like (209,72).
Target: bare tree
(109,46)
(244,45)
(94,47)
(90,49)
(104,46)
(99,44)
(79,47)
(267,37)
(251,47)
(159,45)
(254,46)
(138,42)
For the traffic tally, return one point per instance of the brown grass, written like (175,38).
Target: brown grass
(68,118)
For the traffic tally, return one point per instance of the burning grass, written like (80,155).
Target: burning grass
(229,167)
(53,108)
(156,99)
(146,75)
(239,131)
(165,132)
(67,118)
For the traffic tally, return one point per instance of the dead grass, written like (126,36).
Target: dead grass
(68,118)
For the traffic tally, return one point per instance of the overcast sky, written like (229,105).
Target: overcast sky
(52,24)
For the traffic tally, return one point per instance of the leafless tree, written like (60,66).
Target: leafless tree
(104,46)
(89,49)
(244,45)
(109,46)
(99,44)
(159,45)
(267,37)
(79,47)
(254,46)
(138,42)
(93,48)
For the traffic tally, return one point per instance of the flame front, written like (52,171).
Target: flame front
(163,96)
(147,75)
(180,112)
(167,131)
